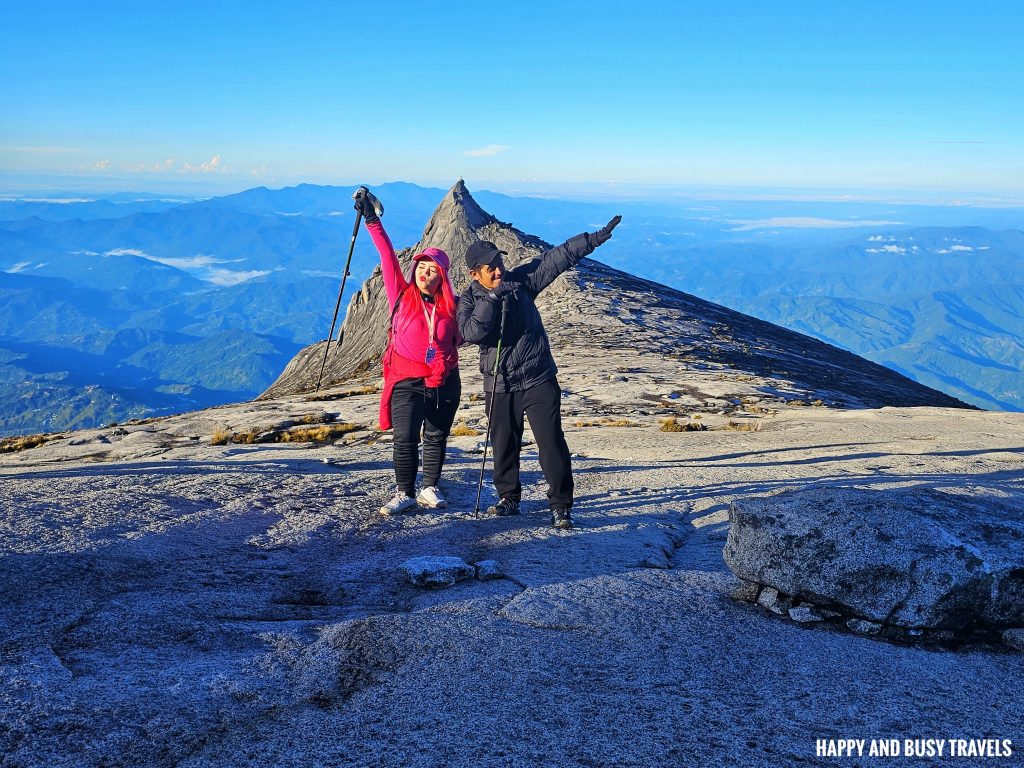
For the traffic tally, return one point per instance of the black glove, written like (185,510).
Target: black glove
(604,234)
(503,289)
(368,205)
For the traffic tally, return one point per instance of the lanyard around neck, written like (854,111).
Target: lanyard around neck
(429,319)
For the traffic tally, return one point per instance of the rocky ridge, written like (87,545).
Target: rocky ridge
(727,355)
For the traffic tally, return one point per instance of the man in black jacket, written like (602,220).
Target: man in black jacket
(526,383)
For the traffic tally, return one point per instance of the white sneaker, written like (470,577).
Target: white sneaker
(400,502)
(431,497)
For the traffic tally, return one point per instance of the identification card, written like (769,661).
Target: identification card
(431,354)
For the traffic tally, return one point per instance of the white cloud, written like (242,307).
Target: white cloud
(128,252)
(888,249)
(18,267)
(210,166)
(489,151)
(102,165)
(61,200)
(194,262)
(170,165)
(187,263)
(226,277)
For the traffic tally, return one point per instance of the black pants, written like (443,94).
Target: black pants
(542,406)
(415,408)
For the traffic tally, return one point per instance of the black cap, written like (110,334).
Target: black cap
(483,252)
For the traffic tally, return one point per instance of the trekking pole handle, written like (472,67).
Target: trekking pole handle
(364,191)
(355,231)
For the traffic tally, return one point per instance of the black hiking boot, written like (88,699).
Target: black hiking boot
(504,508)
(560,517)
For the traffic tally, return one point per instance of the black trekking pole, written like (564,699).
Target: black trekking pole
(490,404)
(361,192)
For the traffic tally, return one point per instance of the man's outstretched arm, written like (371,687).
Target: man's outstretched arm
(543,271)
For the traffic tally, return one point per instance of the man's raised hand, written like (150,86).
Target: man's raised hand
(604,234)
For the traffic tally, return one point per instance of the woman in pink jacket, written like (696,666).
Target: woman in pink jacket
(421,365)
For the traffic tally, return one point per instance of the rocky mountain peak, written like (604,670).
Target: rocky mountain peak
(612,322)
(457,222)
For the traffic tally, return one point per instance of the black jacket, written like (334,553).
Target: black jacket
(526,359)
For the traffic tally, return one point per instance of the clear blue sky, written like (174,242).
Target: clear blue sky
(864,95)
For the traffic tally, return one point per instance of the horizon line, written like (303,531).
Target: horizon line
(24,186)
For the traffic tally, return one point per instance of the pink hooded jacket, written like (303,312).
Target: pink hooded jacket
(406,353)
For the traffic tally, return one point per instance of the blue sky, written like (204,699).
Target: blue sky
(228,95)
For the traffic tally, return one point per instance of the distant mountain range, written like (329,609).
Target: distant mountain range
(171,306)
(944,306)
(136,305)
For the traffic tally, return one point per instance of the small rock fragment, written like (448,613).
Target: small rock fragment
(487,570)
(747,591)
(805,614)
(1014,638)
(436,572)
(775,602)
(863,627)
(768,597)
